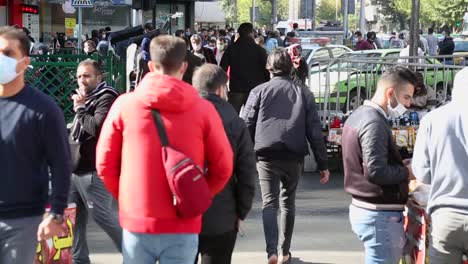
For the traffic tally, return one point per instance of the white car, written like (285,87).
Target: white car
(315,54)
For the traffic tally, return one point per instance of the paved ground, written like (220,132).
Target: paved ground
(322,232)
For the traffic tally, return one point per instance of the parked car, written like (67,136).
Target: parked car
(461,49)
(315,54)
(353,78)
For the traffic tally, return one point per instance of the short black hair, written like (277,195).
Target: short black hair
(279,63)
(431,31)
(245,29)
(108,29)
(148,26)
(358,33)
(447,31)
(295,25)
(168,52)
(179,32)
(222,32)
(208,78)
(399,76)
(13,33)
(371,34)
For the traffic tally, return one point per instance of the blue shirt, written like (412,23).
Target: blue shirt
(33,141)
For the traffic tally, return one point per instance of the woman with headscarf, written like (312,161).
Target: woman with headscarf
(143,58)
(300,69)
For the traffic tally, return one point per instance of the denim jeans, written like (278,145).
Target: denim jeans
(91,197)
(278,183)
(381,232)
(449,236)
(18,239)
(139,248)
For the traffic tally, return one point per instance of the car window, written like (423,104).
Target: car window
(306,53)
(337,52)
(321,54)
(353,63)
(461,46)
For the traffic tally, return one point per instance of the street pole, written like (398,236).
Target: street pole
(414,29)
(362,18)
(345,21)
(253,13)
(80,30)
(274,13)
(336,10)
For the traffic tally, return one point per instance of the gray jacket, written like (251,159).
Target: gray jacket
(281,117)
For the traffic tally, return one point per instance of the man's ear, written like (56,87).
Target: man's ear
(183,68)
(151,66)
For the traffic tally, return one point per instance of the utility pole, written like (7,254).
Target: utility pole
(253,13)
(345,21)
(274,13)
(336,10)
(414,29)
(362,17)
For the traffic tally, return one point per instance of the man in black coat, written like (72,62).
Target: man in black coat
(221,221)
(247,62)
(446,47)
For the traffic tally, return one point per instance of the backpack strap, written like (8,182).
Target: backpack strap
(160,126)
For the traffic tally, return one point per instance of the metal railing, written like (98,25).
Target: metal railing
(341,85)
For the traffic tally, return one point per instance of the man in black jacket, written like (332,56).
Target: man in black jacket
(446,47)
(221,221)
(375,174)
(92,102)
(247,62)
(282,117)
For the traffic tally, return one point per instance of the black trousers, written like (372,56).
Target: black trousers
(217,249)
(237,100)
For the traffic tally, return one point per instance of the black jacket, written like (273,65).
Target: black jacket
(247,61)
(193,62)
(282,116)
(235,200)
(88,123)
(446,46)
(373,168)
(209,55)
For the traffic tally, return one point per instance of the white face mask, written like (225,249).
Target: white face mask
(8,69)
(398,111)
(220,47)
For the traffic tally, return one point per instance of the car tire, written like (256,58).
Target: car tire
(353,100)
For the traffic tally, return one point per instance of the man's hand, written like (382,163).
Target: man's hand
(324,176)
(49,228)
(407,163)
(79,99)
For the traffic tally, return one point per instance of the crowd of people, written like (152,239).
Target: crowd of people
(229,112)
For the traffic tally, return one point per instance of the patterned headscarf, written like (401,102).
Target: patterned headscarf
(295,53)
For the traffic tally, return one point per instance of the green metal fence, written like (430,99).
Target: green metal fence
(55,75)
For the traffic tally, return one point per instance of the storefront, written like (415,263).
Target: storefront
(171,16)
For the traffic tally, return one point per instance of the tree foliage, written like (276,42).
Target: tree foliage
(265,11)
(326,10)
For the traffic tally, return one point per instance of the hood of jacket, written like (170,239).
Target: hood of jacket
(166,93)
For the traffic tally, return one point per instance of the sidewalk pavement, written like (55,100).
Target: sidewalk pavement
(322,232)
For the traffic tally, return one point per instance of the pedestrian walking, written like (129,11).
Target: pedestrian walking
(374,172)
(246,61)
(446,48)
(232,204)
(91,104)
(432,42)
(33,141)
(142,60)
(301,70)
(441,160)
(204,53)
(130,160)
(282,117)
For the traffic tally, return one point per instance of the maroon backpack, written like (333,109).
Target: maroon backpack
(190,191)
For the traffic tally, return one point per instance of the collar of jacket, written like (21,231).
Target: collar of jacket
(100,89)
(376,107)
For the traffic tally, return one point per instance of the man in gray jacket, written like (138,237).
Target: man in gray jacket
(374,172)
(441,160)
(281,117)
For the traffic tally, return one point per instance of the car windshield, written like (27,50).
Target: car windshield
(306,53)
(354,65)
(461,46)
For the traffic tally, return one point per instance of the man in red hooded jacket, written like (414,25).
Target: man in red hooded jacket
(130,163)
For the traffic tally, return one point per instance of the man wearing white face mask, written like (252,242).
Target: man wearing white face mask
(375,174)
(33,141)
(221,45)
(204,53)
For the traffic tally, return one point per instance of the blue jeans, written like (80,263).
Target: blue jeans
(166,248)
(381,232)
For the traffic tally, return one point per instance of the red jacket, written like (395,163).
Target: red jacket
(129,152)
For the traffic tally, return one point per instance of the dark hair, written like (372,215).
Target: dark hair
(295,25)
(90,43)
(102,30)
(400,76)
(420,87)
(148,26)
(447,31)
(279,62)
(94,33)
(208,78)
(223,40)
(168,52)
(371,35)
(92,63)
(12,33)
(358,33)
(431,30)
(245,29)
(179,33)
(222,32)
